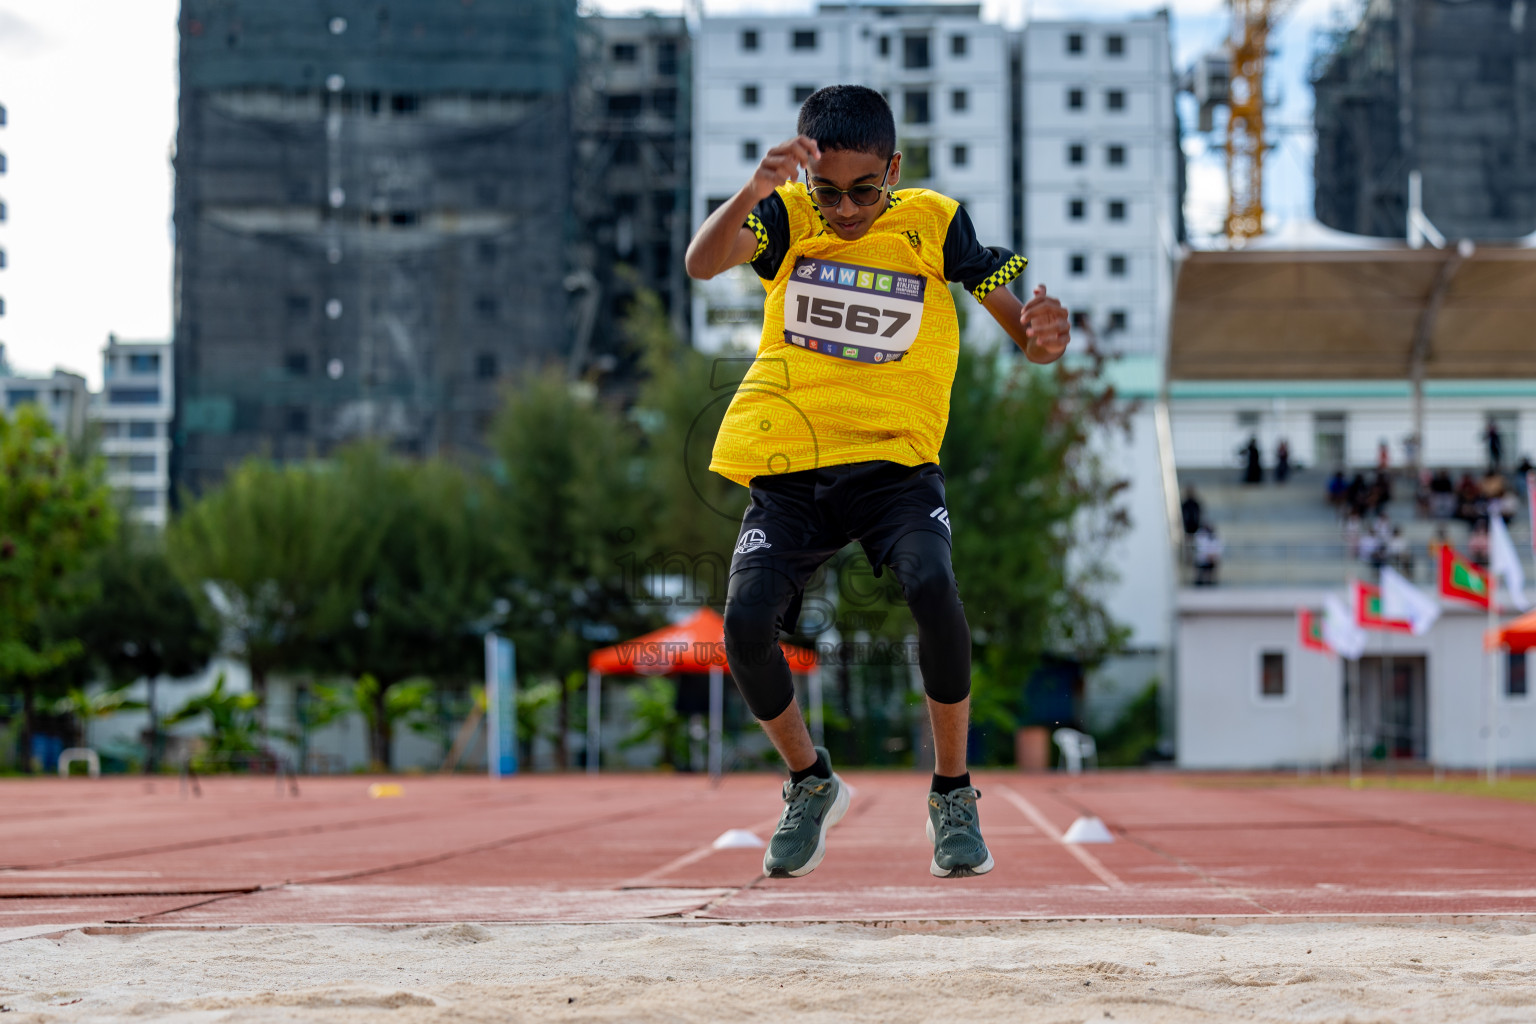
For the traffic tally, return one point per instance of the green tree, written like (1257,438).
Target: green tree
(1038,512)
(234,730)
(281,555)
(55,513)
(383,707)
(144,623)
(572,502)
(429,592)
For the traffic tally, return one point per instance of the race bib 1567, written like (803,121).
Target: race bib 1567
(851,312)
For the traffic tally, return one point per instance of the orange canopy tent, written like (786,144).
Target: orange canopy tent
(1516,636)
(697,644)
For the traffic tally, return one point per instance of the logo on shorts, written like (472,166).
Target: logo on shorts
(942,515)
(752,540)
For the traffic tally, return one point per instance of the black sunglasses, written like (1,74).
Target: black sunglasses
(862,195)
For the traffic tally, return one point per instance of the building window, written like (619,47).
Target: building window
(884,46)
(801,93)
(1080,319)
(749,149)
(131,396)
(664,102)
(20,396)
(749,39)
(1077,209)
(1077,263)
(714,203)
(1117,320)
(627,104)
(917,162)
(485,366)
(1075,42)
(625,53)
(405,103)
(143,362)
(626,152)
(2,259)
(144,497)
(296,364)
(914,50)
(1114,99)
(959,100)
(298,306)
(960,156)
(1272,674)
(1117,266)
(485,252)
(143,463)
(957,46)
(109,429)
(749,95)
(140,429)
(1515,684)
(1114,45)
(1076,154)
(803,39)
(1115,156)
(1074,99)
(296,420)
(485,305)
(915,106)
(1117,209)
(666,57)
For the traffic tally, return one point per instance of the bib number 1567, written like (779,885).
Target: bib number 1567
(832,314)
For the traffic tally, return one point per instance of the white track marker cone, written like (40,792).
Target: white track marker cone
(1087,830)
(737,839)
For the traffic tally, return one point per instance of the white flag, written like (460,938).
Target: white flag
(1402,600)
(1340,629)
(1505,561)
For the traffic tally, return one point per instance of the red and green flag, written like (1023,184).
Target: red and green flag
(1368,614)
(1310,624)
(1461,579)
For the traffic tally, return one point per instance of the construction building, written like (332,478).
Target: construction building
(633,116)
(372,224)
(132,419)
(1445,89)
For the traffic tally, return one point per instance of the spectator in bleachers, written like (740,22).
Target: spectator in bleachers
(1522,471)
(1355,495)
(1282,461)
(1438,541)
(1495,442)
(1477,544)
(1352,535)
(1190,511)
(1468,500)
(1208,550)
(1442,495)
(1253,469)
(1383,456)
(1398,553)
(1380,493)
(1337,485)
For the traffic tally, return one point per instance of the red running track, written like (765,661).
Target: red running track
(634,847)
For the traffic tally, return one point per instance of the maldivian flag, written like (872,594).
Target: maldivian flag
(1368,613)
(1310,625)
(1461,579)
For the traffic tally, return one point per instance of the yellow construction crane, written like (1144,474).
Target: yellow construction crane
(1252,22)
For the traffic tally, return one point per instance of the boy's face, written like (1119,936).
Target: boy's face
(845,168)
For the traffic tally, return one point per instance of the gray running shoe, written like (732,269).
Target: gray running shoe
(955,832)
(811,807)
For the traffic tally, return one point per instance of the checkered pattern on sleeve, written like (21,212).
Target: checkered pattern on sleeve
(999,277)
(760,231)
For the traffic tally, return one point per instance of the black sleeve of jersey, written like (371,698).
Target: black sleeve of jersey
(769,221)
(980,268)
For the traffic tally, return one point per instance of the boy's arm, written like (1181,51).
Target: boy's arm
(1040,327)
(722,242)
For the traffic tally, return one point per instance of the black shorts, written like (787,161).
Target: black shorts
(799,520)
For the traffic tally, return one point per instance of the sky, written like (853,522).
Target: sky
(89,88)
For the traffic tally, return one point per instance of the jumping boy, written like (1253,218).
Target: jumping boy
(836,430)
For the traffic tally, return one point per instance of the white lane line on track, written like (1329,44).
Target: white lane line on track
(691,857)
(1043,823)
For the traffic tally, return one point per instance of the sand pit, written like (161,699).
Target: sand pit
(1484,972)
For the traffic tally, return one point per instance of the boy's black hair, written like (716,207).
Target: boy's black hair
(849,117)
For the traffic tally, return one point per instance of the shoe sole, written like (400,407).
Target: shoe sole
(834,815)
(960,870)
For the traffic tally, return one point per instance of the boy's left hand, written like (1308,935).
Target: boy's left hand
(1046,325)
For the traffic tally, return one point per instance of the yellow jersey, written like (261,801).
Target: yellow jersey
(860,339)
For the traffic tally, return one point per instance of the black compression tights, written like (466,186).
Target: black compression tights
(758,596)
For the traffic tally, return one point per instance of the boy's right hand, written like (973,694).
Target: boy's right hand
(782,163)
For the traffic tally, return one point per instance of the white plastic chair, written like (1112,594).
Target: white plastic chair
(86,754)
(1076,747)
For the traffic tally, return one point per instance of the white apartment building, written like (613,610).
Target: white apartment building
(62,396)
(132,416)
(1101,190)
(944,71)
(1101,167)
